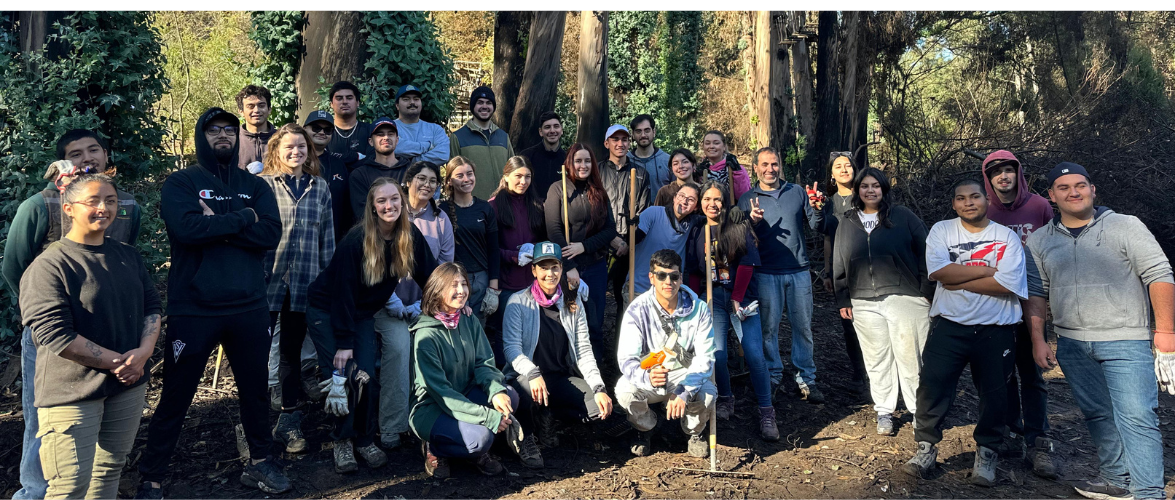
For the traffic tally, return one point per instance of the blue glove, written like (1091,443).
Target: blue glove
(412,312)
(255,167)
(395,307)
(525,253)
(582,291)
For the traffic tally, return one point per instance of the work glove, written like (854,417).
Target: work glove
(525,253)
(1165,371)
(336,395)
(743,313)
(490,303)
(412,312)
(255,167)
(582,291)
(361,156)
(737,215)
(395,307)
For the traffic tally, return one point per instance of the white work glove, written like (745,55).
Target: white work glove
(336,395)
(525,253)
(582,291)
(412,312)
(490,303)
(743,313)
(361,156)
(255,167)
(1165,371)
(395,306)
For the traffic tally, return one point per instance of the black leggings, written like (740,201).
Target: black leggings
(293,333)
(569,398)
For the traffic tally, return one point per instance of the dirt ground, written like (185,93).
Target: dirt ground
(829,451)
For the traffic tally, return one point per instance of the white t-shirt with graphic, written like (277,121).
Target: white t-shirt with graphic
(868,220)
(996,246)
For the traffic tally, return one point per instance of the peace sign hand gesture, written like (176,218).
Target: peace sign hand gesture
(756,212)
(815,197)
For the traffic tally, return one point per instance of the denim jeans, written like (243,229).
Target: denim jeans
(1114,385)
(792,293)
(32,478)
(752,335)
(493,327)
(478,283)
(596,278)
(395,373)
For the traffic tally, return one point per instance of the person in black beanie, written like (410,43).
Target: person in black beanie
(220,223)
(482,143)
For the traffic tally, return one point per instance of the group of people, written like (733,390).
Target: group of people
(438,287)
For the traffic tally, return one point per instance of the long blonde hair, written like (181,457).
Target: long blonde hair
(403,257)
(272,161)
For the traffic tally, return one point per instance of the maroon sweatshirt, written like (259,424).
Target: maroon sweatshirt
(1028,212)
(511,276)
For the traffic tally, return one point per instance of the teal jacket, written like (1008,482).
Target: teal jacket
(488,149)
(448,363)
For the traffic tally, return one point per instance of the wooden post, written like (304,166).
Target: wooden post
(710,305)
(631,233)
(216,371)
(566,225)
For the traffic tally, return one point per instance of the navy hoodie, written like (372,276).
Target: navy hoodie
(217,261)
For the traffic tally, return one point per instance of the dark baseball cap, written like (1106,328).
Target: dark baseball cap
(547,251)
(404,89)
(385,121)
(318,116)
(1066,168)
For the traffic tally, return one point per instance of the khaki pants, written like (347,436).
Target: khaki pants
(636,401)
(84,445)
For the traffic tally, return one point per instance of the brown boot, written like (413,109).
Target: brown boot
(434,466)
(488,465)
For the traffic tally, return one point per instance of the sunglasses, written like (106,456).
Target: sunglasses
(673,276)
(318,129)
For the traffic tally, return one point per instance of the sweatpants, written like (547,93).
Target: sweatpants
(892,330)
(1028,395)
(84,445)
(290,349)
(452,438)
(395,371)
(636,401)
(950,348)
(853,349)
(190,341)
(568,398)
(361,422)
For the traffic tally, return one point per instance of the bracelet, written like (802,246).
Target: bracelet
(1160,332)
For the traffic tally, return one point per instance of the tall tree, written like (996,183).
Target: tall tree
(510,28)
(827,96)
(540,79)
(770,84)
(592,120)
(801,70)
(336,49)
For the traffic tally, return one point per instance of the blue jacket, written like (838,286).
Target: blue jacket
(781,232)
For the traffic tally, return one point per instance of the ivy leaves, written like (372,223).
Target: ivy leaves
(404,48)
(279,36)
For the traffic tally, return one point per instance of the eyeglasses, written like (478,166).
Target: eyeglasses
(673,276)
(109,204)
(427,181)
(320,129)
(218,129)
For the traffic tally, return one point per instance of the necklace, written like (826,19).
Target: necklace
(348,136)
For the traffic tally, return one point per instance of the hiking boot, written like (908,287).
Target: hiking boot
(266,476)
(242,443)
(548,437)
(642,446)
(374,456)
(345,457)
(275,397)
(811,394)
(434,466)
(768,430)
(1014,446)
(288,432)
(390,441)
(885,424)
(149,492)
(1040,456)
(310,381)
(529,453)
(923,461)
(1099,490)
(698,446)
(983,472)
(488,465)
(724,407)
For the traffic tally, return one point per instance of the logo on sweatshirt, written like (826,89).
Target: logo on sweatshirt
(176,348)
(338,177)
(208,194)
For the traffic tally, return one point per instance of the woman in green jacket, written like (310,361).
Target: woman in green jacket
(463,400)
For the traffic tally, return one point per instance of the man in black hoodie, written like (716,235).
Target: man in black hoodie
(220,222)
(384,137)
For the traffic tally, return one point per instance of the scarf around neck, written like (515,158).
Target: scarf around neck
(541,297)
(448,319)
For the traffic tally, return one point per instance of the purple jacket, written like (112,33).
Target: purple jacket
(511,276)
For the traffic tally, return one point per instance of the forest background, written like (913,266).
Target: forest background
(921,95)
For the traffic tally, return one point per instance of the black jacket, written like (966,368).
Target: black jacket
(217,261)
(337,177)
(365,174)
(546,166)
(890,260)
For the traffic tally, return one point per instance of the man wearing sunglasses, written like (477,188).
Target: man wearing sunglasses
(38,222)
(321,127)
(666,355)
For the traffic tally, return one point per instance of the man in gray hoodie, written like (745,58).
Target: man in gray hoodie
(1096,269)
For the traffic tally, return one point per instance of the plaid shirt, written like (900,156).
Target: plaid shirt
(308,241)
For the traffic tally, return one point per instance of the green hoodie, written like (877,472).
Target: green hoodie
(448,363)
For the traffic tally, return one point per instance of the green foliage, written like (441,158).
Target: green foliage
(278,35)
(653,68)
(109,78)
(403,48)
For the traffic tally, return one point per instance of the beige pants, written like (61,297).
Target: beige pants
(84,445)
(636,401)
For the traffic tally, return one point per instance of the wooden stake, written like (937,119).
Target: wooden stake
(566,225)
(219,358)
(631,234)
(710,305)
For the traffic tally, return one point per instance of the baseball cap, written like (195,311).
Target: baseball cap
(214,113)
(547,251)
(1066,168)
(404,89)
(384,121)
(318,116)
(616,128)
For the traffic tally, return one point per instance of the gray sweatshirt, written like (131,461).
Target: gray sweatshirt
(1096,283)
